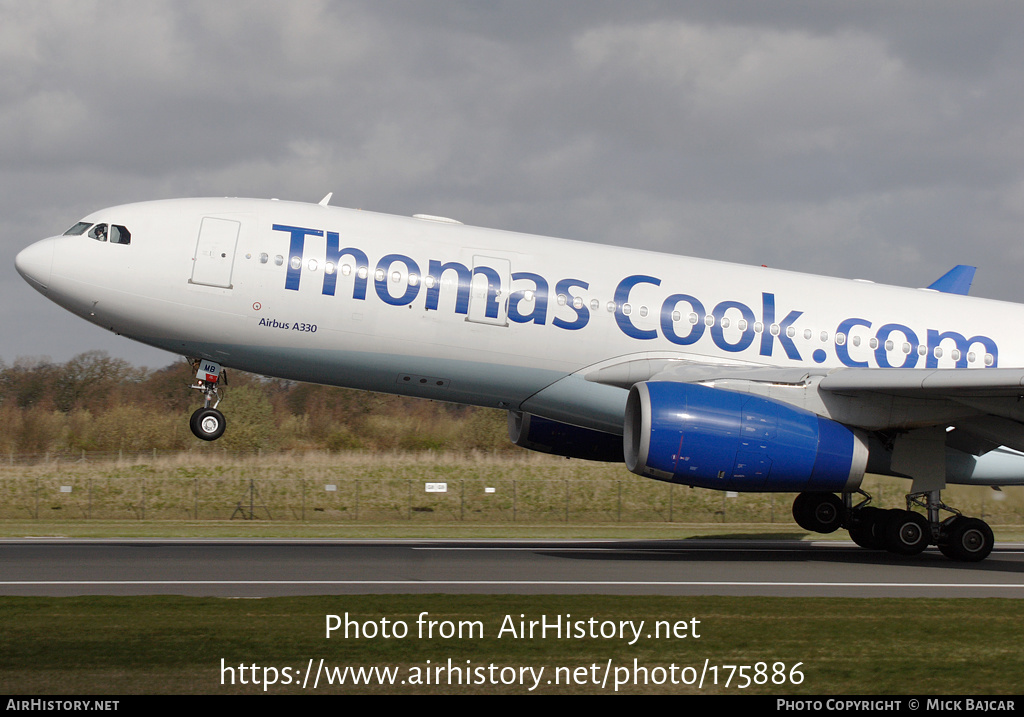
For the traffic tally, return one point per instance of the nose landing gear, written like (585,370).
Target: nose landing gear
(207,423)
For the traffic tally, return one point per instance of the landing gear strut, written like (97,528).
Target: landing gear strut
(866,523)
(904,532)
(207,423)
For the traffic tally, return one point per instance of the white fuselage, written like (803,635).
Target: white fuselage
(458,313)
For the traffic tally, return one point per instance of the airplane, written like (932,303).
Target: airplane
(691,371)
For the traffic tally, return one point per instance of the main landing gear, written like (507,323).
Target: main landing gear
(903,532)
(207,423)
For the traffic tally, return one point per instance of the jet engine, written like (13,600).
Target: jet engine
(714,438)
(562,439)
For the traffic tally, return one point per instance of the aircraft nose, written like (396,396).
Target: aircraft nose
(35,262)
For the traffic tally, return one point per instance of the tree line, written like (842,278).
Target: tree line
(98,403)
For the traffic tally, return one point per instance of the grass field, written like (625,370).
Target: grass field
(356,489)
(165,645)
(172,645)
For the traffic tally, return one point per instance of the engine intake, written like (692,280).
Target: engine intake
(714,438)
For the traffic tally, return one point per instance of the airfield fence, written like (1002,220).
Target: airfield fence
(427,487)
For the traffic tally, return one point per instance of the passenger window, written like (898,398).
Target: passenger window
(99,232)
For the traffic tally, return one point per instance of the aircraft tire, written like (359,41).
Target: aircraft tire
(906,532)
(867,528)
(207,424)
(970,540)
(819,512)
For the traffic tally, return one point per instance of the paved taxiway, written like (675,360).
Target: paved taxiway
(651,567)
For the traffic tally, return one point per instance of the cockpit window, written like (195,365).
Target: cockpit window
(119,235)
(77,229)
(114,233)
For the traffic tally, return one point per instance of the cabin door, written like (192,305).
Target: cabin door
(215,252)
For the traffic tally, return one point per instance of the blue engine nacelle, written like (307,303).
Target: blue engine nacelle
(562,439)
(713,438)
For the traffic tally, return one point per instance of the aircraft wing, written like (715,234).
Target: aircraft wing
(984,407)
(924,383)
(951,382)
(995,397)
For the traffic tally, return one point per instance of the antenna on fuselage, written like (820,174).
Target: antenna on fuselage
(325,200)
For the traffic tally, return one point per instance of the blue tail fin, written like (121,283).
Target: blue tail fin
(955,281)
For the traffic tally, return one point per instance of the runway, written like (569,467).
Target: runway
(272,567)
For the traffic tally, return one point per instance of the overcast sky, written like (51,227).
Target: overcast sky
(866,140)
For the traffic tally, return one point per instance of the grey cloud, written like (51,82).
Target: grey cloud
(858,139)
